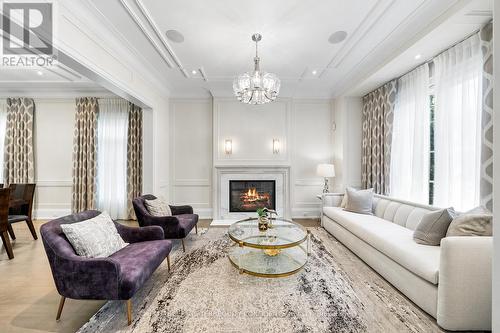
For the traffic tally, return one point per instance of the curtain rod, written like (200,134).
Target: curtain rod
(433,57)
(438,54)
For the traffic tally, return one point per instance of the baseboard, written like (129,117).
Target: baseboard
(306,213)
(204,213)
(50,213)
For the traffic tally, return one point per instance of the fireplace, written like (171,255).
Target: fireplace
(249,195)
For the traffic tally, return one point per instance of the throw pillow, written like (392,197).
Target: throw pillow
(433,227)
(158,207)
(94,238)
(359,201)
(344,200)
(475,222)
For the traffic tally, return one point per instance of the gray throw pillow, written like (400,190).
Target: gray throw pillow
(475,222)
(433,227)
(158,207)
(359,201)
(94,238)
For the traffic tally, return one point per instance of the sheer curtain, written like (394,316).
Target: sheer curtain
(458,125)
(3,127)
(112,157)
(411,137)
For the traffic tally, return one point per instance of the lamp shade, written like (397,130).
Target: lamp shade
(326,170)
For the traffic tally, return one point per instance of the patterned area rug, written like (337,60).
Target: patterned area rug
(335,292)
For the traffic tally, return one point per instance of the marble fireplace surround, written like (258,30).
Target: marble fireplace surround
(223,174)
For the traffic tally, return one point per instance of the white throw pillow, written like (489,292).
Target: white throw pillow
(94,238)
(344,200)
(158,207)
(359,201)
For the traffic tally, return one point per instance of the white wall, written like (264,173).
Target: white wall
(311,144)
(347,142)
(191,154)
(54,124)
(304,128)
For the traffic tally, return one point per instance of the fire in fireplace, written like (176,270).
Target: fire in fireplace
(249,195)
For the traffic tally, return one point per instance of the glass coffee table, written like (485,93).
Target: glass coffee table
(279,251)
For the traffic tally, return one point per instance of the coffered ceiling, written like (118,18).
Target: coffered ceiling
(57,80)
(216,42)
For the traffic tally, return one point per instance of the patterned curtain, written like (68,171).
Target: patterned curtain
(486,183)
(134,156)
(378,107)
(19,166)
(84,154)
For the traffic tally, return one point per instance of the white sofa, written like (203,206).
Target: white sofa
(451,282)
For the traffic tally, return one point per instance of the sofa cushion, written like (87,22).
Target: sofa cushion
(137,262)
(186,223)
(393,240)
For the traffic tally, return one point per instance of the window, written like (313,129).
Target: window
(112,130)
(431,149)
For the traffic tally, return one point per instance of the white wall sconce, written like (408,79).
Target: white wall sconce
(276,146)
(228,146)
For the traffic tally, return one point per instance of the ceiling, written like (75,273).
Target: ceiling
(54,81)
(453,29)
(217,43)
(383,37)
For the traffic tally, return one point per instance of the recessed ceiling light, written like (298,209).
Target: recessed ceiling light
(194,72)
(337,37)
(314,72)
(39,73)
(175,36)
(418,56)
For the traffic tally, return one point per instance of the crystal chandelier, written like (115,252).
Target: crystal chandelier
(258,87)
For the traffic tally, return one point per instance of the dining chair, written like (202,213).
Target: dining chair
(21,198)
(4,223)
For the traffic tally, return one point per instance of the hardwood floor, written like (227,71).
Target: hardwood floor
(28,298)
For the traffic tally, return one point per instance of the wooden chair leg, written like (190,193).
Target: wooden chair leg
(168,262)
(183,245)
(196,228)
(6,243)
(129,312)
(32,228)
(61,305)
(11,231)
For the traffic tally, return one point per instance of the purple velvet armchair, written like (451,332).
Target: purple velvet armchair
(117,277)
(177,226)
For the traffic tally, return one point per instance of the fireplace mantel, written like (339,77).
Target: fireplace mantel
(224,173)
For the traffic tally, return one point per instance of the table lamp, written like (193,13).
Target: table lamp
(326,171)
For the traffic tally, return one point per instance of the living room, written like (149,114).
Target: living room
(312,166)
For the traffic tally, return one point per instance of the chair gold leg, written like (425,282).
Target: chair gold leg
(183,245)
(168,262)
(61,305)
(196,228)
(129,312)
